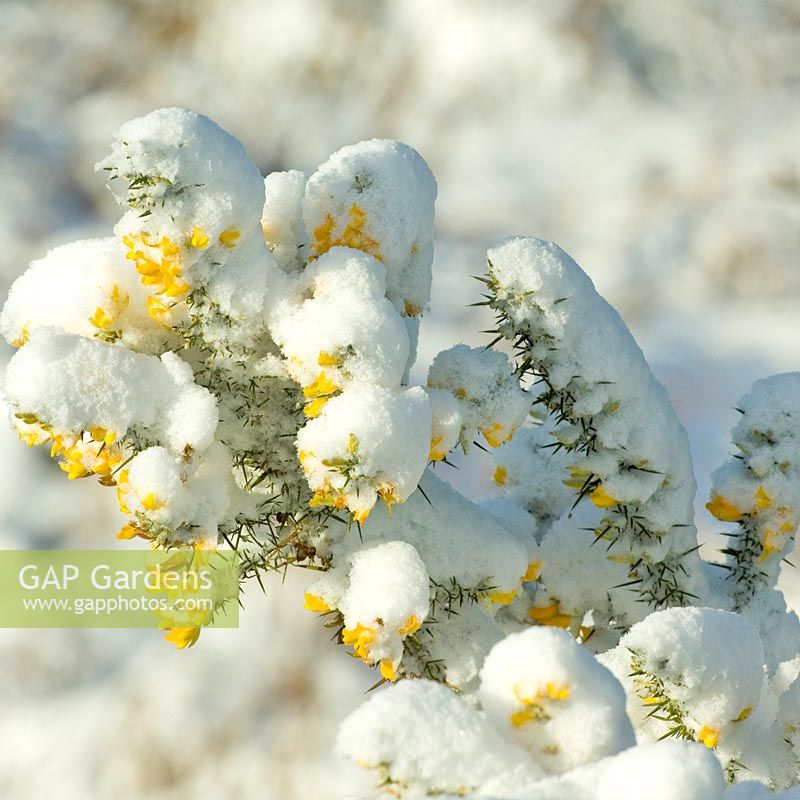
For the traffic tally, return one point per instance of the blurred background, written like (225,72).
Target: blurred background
(658,143)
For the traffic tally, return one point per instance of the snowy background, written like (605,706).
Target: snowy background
(656,142)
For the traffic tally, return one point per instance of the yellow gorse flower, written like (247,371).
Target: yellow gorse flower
(198,239)
(329,359)
(411,625)
(502,598)
(708,736)
(158,264)
(550,615)
(436,452)
(533,572)
(360,638)
(495,434)
(33,433)
(352,235)
(533,702)
(314,408)
(313,602)
(229,237)
(602,499)
(22,338)
(723,509)
(322,386)
(105,316)
(91,452)
(183,637)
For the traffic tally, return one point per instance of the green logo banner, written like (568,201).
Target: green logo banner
(182,590)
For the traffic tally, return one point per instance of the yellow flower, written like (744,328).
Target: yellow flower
(157,309)
(314,408)
(502,598)
(388,670)
(128,532)
(33,433)
(411,625)
(533,701)
(151,503)
(493,434)
(769,545)
(436,452)
(168,248)
(533,572)
(183,637)
(329,359)
(763,500)
(360,638)
(388,494)
(74,469)
(122,490)
(723,509)
(82,456)
(708,736)
(360,515)
(353,234)
(557,691)
(198,239)
(22,338)
(104,318)
(103,435)
(313,602)
(162,274)
(322,386)
(522,717)
(602,499)
(229,237)
(101,319)
(500,475)
(352,444)
(61,442)
(652,700)
(550,615)
(326,497)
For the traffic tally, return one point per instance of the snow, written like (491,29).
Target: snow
(488,392)
(421,735)
(658,144)
(758,487)
(377,196)
(367,442)
(73,384)
(551,697)
(346,332)
(282,218)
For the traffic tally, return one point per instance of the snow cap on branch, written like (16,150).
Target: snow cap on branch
(489,396)
(378,196)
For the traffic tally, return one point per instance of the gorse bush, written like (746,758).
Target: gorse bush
(234,363)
